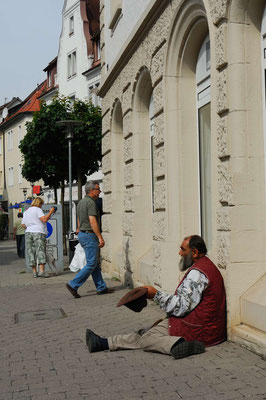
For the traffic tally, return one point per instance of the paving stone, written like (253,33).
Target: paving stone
(49,360)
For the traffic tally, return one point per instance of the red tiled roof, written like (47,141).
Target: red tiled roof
(30,104)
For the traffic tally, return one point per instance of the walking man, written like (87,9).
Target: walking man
(91,240)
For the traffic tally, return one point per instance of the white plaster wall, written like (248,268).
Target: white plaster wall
(75,85)
(132,10)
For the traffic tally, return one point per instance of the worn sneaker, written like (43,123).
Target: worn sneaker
(43,275)
(35,275)
(186,349)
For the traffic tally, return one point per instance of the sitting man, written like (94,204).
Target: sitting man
(196,313)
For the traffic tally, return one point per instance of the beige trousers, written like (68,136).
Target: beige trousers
(156,339)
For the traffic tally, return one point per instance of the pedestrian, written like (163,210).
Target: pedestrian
(90,238)
(34,221)
(196,312)
(19,236)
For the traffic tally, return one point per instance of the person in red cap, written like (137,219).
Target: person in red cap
(196,312)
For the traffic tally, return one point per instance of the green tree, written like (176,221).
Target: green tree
(45,149)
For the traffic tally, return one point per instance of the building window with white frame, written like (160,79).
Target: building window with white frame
(72,64)
(9,140)
(203,92)
(10,176)
(20,173)
(71,25)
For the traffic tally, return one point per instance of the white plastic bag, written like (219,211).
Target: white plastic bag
(79,259)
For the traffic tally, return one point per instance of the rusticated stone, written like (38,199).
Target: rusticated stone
(129,199)
(223,249)
(106,223)
(107,203)
(222,137)
(128,224)
(225,188)
(106,250)
(220,46)
(127,100)
(224,219)
(106,143)
(107,183)
(221,93)
(158,129)
(128,149)
(106,163)
(218,10)
(160,195)
(106,123)
(159,162)
(157,64)
(128,255)
(128,174)
(158,97)
(159,226)
(157,263)
(127,124)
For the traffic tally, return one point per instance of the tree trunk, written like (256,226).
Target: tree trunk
(62,187)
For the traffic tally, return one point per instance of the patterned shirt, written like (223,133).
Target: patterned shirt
(188,295)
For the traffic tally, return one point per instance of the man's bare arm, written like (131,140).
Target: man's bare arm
(96,229)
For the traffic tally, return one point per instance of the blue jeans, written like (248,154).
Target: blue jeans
(90,244)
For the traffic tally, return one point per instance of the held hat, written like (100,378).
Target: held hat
(136,299)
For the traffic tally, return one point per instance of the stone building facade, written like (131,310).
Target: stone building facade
(184,146)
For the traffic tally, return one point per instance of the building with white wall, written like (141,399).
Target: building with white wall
(15,188)
(183,101)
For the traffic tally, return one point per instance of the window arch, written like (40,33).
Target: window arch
(142,123)
(185,90)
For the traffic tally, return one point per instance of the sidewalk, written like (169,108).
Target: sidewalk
(45,358)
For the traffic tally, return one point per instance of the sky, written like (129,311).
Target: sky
(29,40)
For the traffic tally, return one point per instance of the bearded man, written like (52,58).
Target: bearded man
(195,313)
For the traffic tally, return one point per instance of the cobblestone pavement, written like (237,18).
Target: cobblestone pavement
(45,359)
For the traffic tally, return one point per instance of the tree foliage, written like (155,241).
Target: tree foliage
(45,149)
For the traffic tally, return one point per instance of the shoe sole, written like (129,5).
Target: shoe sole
(186,349)
(73,291)
(89,340)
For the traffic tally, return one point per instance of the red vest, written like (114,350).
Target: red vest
(207,322)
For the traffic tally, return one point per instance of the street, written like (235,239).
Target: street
(44,354)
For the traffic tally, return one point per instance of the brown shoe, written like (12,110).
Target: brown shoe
(73,291)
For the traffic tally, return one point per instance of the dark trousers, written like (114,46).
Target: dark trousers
(20,239)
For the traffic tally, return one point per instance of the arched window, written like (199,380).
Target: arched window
(203,102)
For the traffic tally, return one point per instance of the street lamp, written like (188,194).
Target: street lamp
(69,127)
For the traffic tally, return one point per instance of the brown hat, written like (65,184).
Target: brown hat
(136,299)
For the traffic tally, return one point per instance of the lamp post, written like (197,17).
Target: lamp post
(24,193)
(69,127)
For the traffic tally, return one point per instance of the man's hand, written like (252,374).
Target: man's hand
(151,292)
(101,242)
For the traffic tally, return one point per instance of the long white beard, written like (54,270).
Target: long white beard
(186,262)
